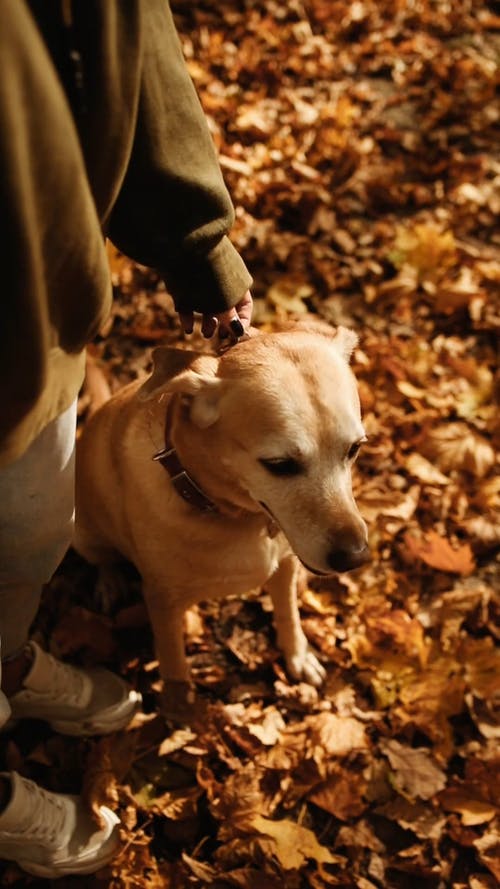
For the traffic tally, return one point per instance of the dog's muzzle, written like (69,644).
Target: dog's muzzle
(348,559)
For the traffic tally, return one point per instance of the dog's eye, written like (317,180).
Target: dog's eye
(353,451)
(285,466)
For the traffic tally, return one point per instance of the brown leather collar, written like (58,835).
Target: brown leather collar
(182,482)
(186,487)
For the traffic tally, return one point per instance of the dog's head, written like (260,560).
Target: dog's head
(280,416)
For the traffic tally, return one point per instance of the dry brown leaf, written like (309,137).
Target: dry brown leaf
(289,294)
(425,471)
(458,447)
(482,667)
(437,552)
(341,794)
(466,801)
(107,763)
(403,633)
(415,771)
(269,729)
(428,698)
(454,295)
(337,735)
(293,845)
(423,820)
(488,847)
(177,805)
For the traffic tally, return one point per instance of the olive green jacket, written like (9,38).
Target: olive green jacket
(101,132)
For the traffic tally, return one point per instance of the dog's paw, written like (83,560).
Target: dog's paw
(180,705)
(306,668)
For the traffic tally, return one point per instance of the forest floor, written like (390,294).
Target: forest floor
(360,144)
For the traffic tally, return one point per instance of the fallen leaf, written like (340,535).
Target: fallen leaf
(425,471)
(425,247)
(456,446)
(437,552)
(415,771)
(341,794)
(293,845)
(488,847)
(337,735)
(470,807)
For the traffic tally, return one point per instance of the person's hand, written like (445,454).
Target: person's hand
(231,323)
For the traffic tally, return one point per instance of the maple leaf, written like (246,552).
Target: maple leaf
(437,552)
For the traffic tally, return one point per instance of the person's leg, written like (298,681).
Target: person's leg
(48,834)
(36,522)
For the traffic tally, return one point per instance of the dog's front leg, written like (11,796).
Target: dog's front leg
(282,587)
(167,622)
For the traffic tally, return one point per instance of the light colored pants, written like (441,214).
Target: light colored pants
(36,525)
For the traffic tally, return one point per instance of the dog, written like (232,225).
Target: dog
(221,474)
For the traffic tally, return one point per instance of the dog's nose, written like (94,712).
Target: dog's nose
(345,559)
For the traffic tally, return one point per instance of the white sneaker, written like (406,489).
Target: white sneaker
(73,700)
(52,834)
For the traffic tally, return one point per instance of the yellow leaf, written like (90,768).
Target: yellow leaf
(293,844)
(427,248)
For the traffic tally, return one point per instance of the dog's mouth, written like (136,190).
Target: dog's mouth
(271,515)
(315,570)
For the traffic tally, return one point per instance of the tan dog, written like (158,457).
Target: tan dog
(268,432)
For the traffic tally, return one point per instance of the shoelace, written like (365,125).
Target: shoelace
(67,683)
(47,815)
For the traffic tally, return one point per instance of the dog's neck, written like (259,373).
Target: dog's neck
(208,492)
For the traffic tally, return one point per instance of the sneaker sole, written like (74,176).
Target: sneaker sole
(113,844)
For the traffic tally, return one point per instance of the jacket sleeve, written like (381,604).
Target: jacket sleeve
(173,211)
(55,280)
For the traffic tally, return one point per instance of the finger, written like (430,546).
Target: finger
(187,321)
(225,319)
(208,326)
(245,309)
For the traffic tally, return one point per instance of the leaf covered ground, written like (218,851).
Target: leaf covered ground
(359,141)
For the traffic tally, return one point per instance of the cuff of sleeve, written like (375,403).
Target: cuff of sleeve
(209,284)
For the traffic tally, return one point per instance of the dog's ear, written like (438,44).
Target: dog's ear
(345,341)
(168,366)
(178,370)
